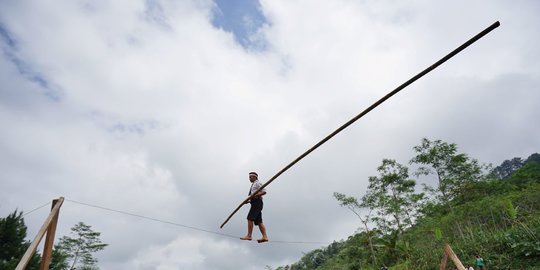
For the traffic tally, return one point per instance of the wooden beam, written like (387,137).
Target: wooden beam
(33,246)
(443,262)
(49,240)
(448,250)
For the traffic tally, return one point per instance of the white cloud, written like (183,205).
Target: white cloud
(181,253)
(162,115)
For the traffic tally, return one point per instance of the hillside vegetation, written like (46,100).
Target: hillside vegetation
(477,209)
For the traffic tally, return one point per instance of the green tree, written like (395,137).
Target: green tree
(453,170)
(393,196)
(78,249)
(534,157)
(59,260)
(507,168)
(529,173)
(352,204)
(12,242)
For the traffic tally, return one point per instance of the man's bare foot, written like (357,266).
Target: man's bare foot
(262,240)
(246,238)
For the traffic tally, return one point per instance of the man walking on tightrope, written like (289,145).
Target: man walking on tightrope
(255,212)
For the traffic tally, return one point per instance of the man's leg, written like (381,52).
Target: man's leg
(250,231)
(263,232)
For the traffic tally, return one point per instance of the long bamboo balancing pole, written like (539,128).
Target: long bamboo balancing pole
(373,106)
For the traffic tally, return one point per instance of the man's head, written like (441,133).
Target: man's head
(253,176)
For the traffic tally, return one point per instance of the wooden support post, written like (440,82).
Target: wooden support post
(49,240)
(443,262)
(448,250)
(46,225)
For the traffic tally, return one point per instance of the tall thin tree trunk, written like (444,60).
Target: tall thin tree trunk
(371,244)
(368,233)
(75,260)
(76,257)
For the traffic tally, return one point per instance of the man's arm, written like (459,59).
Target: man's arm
(260,193)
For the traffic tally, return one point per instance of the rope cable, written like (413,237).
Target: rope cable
(35,209)
(182,225)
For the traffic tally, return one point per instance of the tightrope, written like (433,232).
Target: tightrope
(184,226)
(36,209)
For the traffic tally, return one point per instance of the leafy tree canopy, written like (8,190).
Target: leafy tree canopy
(12,242)
(77,250)
(452,170)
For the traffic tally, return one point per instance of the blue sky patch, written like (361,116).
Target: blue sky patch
(242,18)
(155,13)
(6,37)
(22,67)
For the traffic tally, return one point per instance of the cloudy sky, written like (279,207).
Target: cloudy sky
(161,108)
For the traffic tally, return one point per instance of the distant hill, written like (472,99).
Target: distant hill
(495,214)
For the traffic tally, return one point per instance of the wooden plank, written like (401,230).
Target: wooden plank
(448,250)
(33,246)
(444,261)
(49,241)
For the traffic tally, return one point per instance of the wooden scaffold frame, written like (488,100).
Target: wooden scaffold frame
(449,253)
(49,227)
